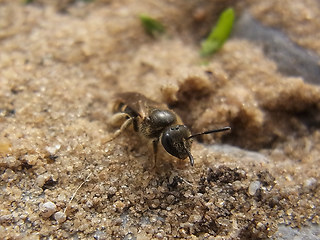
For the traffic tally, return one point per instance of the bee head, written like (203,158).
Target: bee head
(176,141)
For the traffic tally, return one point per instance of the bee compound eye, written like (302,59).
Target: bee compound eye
(167,142)
(173,139)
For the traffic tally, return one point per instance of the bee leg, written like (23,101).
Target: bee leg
(155,151)
(118,119)
(119,131)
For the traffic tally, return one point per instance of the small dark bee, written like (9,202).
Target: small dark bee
(154,121)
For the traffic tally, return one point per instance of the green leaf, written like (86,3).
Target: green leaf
(219,33)
(151,26)
(27,1)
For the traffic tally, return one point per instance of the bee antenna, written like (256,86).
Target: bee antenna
(209,132)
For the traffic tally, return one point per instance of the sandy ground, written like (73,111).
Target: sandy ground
(62,61)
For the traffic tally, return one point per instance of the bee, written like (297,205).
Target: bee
(155,121)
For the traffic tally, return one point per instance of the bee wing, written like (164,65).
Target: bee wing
(137,102)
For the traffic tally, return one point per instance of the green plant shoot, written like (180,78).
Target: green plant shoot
(151,26)
(219,33)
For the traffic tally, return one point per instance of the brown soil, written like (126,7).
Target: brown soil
(61,63)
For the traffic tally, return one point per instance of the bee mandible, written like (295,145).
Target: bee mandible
(155,121)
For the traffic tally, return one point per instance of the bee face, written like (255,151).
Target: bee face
(176,141)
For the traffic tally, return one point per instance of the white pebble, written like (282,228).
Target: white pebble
(253,187)
(60,217)
(53,149)
(309,182)
(41,179)
(47,209)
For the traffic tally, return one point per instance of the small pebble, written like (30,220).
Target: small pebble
(53,149)
(47,209)
(60,217)
(5,218)
(310,182)
(253,187)
(9,162)
(195,218)
(41,179)
(119,205)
